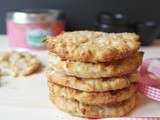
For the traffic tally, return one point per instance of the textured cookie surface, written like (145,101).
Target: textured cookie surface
(92,98)
(94,111)
(91,85)
(90,70)
(90,46)
(18,63)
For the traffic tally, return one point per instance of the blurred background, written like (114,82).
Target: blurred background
(140,16)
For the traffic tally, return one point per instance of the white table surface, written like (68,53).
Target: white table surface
(26,98)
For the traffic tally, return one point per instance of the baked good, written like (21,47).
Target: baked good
(92,98)
(93,74)
(94,111)
(18,63)
(91,70)
(90,84)
(91,46)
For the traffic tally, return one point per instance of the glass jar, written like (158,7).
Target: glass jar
(28,28)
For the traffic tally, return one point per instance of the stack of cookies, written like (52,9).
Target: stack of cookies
(93,74)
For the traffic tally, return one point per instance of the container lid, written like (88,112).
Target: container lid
(105,18)
(120,19)
(35,16)
(112,19)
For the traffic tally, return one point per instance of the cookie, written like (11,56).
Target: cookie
(90,70)
(18,63)
(75,108)
(91,46)
(92,98)
(92,85)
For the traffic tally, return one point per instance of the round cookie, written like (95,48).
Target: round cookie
(18,63)
(91,46)
(92,98)
(90,70)
(92,85)
(94,111)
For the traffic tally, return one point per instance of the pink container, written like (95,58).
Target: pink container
(27,29)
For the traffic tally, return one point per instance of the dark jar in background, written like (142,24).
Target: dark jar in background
(28,28)
(148,31)
(117,23)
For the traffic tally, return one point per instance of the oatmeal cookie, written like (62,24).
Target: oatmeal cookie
(75,108)
(18,63)
(91,70)
(92,98)
(93,85)
(94,47)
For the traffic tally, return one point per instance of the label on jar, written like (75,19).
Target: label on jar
(35,37)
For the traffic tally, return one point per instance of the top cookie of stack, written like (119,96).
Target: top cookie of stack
(94,47)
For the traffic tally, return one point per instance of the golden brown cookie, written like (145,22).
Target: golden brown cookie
(92,85)
(18,63)
(92,98)
(94,111)
(91,46)
(90,70)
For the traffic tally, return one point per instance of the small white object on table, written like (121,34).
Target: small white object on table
(26,98)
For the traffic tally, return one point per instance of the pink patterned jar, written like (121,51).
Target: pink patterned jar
(27,29)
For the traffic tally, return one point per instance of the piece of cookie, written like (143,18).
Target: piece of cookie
(90,70)
(92,98)
(18,63)
(95,47)
(92,85)
(94,111)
